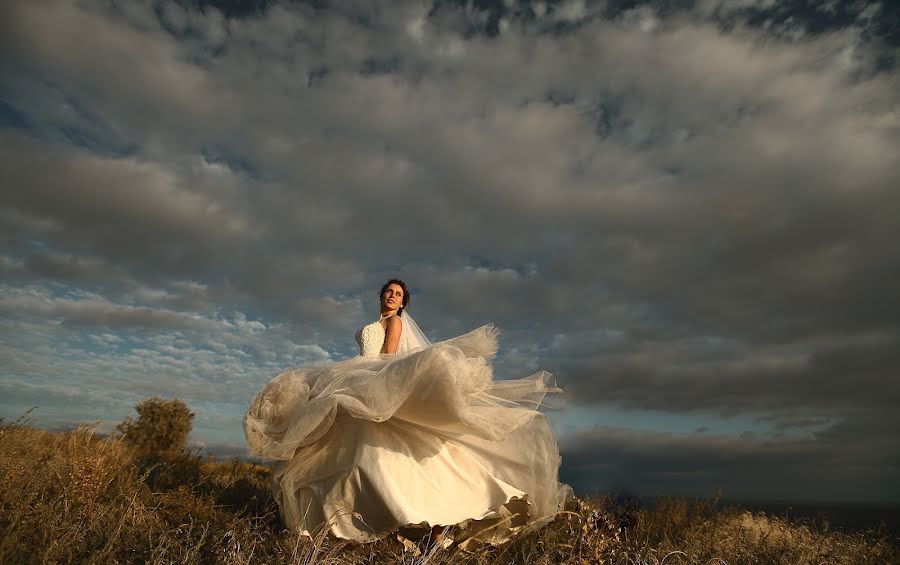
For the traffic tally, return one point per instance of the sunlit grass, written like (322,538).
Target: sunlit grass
(78,497)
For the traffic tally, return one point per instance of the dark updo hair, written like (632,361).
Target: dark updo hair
(402,285)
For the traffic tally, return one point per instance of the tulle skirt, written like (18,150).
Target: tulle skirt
(368,446)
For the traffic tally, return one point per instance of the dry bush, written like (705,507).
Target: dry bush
(76,497)
(677,531)
(162,426)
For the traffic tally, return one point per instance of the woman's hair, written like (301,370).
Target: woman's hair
(402,285)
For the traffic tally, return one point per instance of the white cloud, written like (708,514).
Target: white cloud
(571,11)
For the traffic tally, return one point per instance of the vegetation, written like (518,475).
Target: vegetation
(163,426)
(78,497)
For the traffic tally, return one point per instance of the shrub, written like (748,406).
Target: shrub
(162,426)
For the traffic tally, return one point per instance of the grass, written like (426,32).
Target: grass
(76,497)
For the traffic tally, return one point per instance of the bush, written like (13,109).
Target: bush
(162,427)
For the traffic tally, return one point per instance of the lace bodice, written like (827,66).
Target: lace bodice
(370,339)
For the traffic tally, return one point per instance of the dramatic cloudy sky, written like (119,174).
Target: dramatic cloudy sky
(688,211)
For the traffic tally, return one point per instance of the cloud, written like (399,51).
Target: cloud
(104,357)
(681,208)
(740,468)
(93,52)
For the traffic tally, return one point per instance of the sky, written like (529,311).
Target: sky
(687,211)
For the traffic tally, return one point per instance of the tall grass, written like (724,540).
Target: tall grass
(77,497)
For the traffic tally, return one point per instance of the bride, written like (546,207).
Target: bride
(407,434)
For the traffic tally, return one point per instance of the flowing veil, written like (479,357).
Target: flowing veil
(411,338)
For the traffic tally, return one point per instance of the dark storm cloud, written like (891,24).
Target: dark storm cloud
(710,375)
(674,206)
(54,265)
(763,468)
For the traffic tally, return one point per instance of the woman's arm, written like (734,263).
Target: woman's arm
(392,334)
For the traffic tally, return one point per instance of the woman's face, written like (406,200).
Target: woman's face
(392,297)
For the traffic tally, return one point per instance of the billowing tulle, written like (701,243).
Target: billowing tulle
(368,445)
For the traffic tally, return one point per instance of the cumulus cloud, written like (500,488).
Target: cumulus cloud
(677,208)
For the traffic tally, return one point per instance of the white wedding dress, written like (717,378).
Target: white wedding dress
(425,437)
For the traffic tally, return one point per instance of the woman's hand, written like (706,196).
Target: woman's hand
(392,329)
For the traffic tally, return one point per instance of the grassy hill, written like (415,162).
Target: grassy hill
(77,497)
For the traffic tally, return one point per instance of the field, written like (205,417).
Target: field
(77,497)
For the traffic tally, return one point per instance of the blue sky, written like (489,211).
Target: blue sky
(686,211)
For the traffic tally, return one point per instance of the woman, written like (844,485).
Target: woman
(409,434)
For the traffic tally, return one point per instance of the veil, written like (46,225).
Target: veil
(411,337)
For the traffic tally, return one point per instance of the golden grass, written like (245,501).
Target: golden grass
(76,497)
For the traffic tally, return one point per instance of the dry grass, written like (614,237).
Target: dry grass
(75,497)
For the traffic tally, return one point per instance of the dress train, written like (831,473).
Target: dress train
(370,445)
